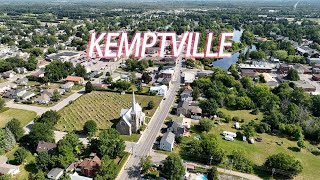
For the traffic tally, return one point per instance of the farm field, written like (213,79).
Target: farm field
(102,107)
(23,116)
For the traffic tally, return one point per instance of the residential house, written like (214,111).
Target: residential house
(164,81)
(89,167)
(75,79)
(284,68)
(43,99)
(50,92)
(8,74)
(249,73)
(4,87)
(22,81)
(15,94)
(20,70)
(167,141)
(177,128)
(131,119)
(301,69)
(76,176)
(167,73)
(306,86)
(186,95)
(27,95)
(67,86)
(46,147)
(189,109)
(188,77)
(39,73)
(55,173)
(159,90)
(7,169)
(316,77)
(313,61)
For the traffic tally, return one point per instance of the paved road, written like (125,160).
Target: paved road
(144,146)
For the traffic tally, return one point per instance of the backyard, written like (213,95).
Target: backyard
(23,116)
(102,107)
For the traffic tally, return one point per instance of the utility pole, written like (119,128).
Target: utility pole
(210,160)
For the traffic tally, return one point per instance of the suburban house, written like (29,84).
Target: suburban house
(313,61)
(188,77)
(20,70)
(76,176)
(159,90)
(284,68)
(189,109)
(316,77)
(75,79)
(167,73)
(90,166)
(4,87)
(8,74)
(27,95)
(177,128)
(50,92)
(7,169)
(22,81)
(131,119)
(15,94)
(305,85)
(186,95)
(38,74)
(67,86)
(55,173)
(249,73)
(46,147)
(43,99)
(167,141)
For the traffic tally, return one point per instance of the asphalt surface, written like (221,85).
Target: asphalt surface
(143,148)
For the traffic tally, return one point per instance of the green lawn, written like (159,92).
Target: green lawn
(77,87)
(102,107)
(242,114)
(132,138)
(23,116)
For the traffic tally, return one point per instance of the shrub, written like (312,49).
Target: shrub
(236,118)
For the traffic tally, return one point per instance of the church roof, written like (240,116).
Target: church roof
(135,109)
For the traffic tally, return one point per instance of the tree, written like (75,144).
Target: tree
(146,78)
(195,93)
(5,177)
(206,124)
(108,169)
(173,168)
(2,141)
(240,162)
(43,161)
(10,141)
(56,96)
(108,80)
(209,107)
(145,163)
(40,132)
(15,127)
(190,63)
(89,87)
(90,127)
(80,70)
(315,105)
(281,54)
(293,75)
(285,163)
(49,117)
(2,103)
(247,37)
(213,173)
(39,176)
(301,144)
(110,144)
(150,105)
(248,131)
(20,155)
(51,50)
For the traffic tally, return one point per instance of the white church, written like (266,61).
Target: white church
(131,119)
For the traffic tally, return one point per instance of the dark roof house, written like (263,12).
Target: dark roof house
(46,147)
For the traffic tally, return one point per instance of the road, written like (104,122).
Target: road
(131,170)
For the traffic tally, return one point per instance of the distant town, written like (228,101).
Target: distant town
(252,115)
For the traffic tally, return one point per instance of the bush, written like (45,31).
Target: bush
(90,127)
(221,114)
(227,119)
(255,111)
(20,155)
(236,119)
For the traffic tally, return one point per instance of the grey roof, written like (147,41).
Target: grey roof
(46,147)
(28,93)
(22,80)
(55,172)
(168,137)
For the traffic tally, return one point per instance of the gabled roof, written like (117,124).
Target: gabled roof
(93,163)
(55,172)
(74,78)
(46,147)
(168,137)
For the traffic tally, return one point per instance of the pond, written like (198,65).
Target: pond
(225,63)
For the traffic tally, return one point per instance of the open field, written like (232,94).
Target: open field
(23,116)
(102,107)
(242,114)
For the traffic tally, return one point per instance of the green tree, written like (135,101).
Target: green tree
(145,163)
(209,107)
(80,70)
(195,93)
(107,171)
(301,144)
(285,163)
(39,176)
(10,140)
(15,127)
(43,161)
(49,117)
(205,124)
(247,37)
(20,155)
(213,173)
(240,162)
(5,177)
(293,75)
(90,127)
(89,87)
(2,141)
(110,143)
(51,50)
(56,96)
(248,131)
(150,105)
(40,132)
(281,54)
(173,168)
(315,105)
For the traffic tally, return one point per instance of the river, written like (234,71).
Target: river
(225,63)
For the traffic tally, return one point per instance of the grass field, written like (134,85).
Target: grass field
(23,116)
(102,107)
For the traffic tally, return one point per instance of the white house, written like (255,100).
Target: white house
(27,95)
(67,86)
(55,173)
(167,141)
(188,77)
(7,168)
(159,90)
(6,86)
(76,176)
(43,99)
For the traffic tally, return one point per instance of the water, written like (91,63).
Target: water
(202,177)
(225,63)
